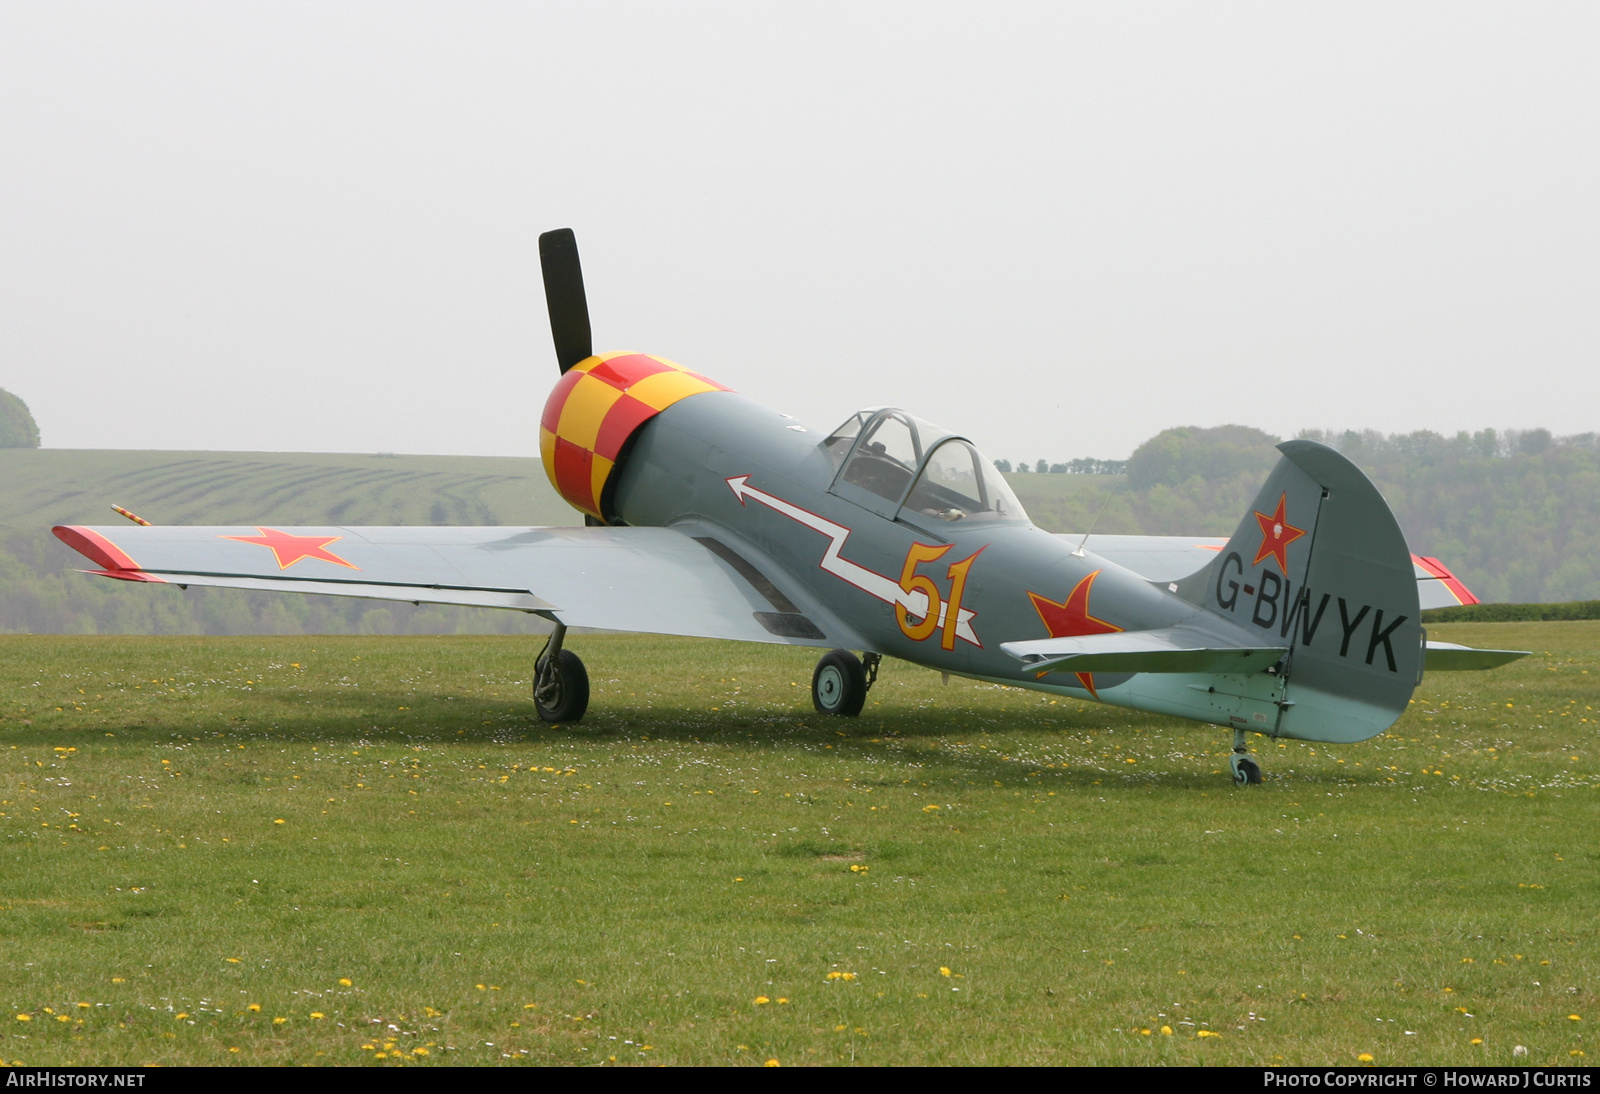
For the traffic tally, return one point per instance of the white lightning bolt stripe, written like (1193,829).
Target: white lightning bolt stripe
(868,581)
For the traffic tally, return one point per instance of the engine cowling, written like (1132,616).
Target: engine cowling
(598,404)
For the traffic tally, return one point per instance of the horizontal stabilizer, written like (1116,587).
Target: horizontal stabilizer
(1449,657)
(1172,649)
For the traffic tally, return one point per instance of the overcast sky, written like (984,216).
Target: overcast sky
(1058,228)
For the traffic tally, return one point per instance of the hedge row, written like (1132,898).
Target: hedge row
(1513,613)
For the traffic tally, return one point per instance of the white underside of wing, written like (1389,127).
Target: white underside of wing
(1170,649)
(655,580)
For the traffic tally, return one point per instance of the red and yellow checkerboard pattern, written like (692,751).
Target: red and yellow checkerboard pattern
(595,408)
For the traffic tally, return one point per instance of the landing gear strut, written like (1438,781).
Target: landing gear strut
(1246,772)
(840,683)
(560,682)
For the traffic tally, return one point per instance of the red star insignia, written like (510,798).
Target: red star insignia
(290,549)
(1276,535)
(1071,618)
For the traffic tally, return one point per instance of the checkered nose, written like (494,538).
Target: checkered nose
(595,407)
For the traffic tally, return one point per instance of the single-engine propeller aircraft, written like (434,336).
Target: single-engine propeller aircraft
(709,515)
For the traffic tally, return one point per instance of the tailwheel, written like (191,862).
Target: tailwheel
(560,682)
(839,684)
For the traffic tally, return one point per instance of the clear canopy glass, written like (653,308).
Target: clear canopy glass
(958,484)
(955,483)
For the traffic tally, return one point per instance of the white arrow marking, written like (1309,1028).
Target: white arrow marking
(874,584)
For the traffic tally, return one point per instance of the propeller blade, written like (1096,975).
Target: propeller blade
(563,294)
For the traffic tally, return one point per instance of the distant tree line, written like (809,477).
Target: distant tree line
(1515,513)
(1087,466)
(1429,447)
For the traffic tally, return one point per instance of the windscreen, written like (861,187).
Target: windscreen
(837,443)
(886,457)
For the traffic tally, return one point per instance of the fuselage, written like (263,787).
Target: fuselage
(764,484)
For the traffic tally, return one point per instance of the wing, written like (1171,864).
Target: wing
(656,580)
(1171,558)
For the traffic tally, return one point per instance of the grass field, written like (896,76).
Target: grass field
(364,851)
(78,486)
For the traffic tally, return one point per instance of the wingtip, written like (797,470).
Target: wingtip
(96,548)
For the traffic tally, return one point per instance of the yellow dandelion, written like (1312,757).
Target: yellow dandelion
(83,1006)
(1207,1033)
(63,1017)
(278,821)
(1574,1018)
(944,970)
(782,999)
(1365,1058)
(254,1008)
(840,1029)
(929,808)
(344,982)
(1477,1040)
(1166,1031)
(368,1047)
(318,1014)
(762,1000)
(419,1051)
(233,960)
(118,980)
(772,1063)
(233,1049)
(279,1021)
(24,1017)
(483,987)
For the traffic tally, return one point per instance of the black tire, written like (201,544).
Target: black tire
(1246,772)
(567,701)
(839,684)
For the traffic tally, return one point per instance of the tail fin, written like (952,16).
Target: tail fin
(1319,562)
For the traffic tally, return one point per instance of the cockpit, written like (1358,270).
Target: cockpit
(897,464)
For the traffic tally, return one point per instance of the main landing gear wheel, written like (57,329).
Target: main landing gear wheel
(839,684)
(1246,772)
(560,682)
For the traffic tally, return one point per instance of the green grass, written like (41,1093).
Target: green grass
(196,827)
